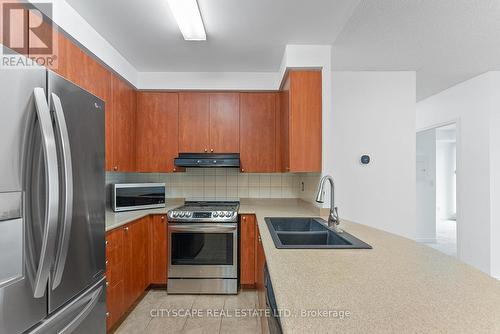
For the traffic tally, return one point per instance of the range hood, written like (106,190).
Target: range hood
(207,160)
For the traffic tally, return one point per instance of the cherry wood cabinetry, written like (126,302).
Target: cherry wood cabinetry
(224,123)
(127,267)
(159,250)
(301,108)
(137,259)
(208,122)
(247,250)
(258,132)
(157,136)
(115,276)
(123,110)
(193,122)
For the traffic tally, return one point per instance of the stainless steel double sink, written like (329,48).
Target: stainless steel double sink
(305,233)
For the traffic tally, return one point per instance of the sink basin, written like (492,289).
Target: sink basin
(304,233)
(296,224)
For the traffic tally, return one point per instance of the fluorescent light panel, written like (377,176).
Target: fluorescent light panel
(188,17)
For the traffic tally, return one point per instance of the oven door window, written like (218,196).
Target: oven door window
(202,248)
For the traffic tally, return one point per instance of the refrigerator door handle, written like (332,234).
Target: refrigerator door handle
(52,193)
(67,188)
(94,298)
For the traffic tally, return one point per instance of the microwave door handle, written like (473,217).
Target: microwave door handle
(67,186)
(52,192)
(218,228)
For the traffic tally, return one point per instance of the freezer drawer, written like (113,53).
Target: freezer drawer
(83,315)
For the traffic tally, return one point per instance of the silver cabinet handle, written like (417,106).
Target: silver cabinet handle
(52,193)
(202,228)
(67,186)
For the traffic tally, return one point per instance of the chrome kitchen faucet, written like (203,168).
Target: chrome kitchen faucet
(333,217)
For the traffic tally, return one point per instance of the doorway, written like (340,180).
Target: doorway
(436,188)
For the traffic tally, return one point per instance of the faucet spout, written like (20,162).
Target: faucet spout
(333,217)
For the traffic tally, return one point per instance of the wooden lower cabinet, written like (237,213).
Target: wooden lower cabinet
(114,276)
(136,259)
(127,267)
(247,250)
(115,304)
(159,250)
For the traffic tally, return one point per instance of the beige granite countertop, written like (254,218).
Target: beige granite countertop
(399,286)
(117,219)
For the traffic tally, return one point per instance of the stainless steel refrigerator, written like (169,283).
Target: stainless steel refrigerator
(52,205)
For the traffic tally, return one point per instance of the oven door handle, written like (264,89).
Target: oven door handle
(215,228)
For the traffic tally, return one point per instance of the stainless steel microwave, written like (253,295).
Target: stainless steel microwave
(137,196)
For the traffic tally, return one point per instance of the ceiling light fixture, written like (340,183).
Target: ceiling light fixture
(188,17)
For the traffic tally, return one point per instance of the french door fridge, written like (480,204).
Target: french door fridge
(52,205)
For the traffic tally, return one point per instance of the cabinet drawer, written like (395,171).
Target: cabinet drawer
(114,304)
(114,273)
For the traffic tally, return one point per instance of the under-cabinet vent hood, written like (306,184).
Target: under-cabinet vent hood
(206,160)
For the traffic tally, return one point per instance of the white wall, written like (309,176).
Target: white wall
(426,186)
(374,113)
(209,80)
(472,103)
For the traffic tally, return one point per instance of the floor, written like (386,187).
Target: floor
(446,237)
(159,312)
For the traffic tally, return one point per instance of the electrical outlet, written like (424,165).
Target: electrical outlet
(302,186)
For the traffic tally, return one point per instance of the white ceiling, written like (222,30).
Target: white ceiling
(242,35)
(445,41)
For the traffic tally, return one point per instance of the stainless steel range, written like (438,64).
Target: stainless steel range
(203,241)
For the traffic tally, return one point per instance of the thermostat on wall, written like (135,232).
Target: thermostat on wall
(365,159)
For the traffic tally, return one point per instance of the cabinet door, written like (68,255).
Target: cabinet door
(157,131)
(124,109)
(194,122)
(136,260)
(305,121)
(257,132)
(159,250)
(224,123)
(247,250)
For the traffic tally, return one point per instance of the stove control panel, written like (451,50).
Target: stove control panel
(180,215)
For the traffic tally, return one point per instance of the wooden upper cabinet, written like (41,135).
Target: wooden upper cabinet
(193,122)
(301,113)
(224,122)
(208,122)
(157,131)
(123,107)
(258,132)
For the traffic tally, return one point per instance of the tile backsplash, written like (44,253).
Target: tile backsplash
(221,183)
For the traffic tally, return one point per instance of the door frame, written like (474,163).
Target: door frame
(458,189)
